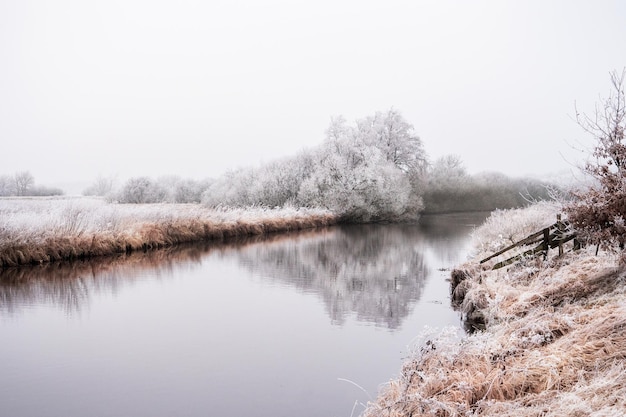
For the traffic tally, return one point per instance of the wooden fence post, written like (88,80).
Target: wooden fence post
(546,242)
(559,226)
(560,235)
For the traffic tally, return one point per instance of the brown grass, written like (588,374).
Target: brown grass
(126,230)
(554,344)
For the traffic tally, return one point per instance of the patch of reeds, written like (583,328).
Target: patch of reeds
(553,344)
(39,231)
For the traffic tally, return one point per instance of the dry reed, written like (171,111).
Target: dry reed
(554,342)
(34,231)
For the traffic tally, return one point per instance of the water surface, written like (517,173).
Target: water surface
(309,324)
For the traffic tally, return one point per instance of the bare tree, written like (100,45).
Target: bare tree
(599,212)
(7,185)
(102,186)
(23,182)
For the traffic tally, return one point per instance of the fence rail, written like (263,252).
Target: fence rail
(548,238)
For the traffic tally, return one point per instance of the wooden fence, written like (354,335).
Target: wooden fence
(548,238)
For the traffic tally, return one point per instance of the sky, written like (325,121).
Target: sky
(192,88)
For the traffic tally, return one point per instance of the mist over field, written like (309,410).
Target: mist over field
(124,89)
(375,169)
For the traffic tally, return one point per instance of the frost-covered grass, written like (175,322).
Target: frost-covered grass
(505,227)
(554,342)
(42,230)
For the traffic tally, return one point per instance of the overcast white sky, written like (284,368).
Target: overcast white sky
(194,88)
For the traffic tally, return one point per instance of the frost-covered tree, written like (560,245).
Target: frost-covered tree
(599,213)
(141,190)
(365,172)
(7,186)
(23,181)
(275,184)
(189,191)
(447,172)
(395,137)
(168,185)
(166,189)
(278,183)
(371,189)
(370,171)
(233,189)
(23,184)
(101,187)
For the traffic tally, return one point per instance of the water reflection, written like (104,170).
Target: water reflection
(70,285)
(194,329)
(372,272)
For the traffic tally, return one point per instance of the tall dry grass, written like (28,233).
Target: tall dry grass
(35,231)
(554,342)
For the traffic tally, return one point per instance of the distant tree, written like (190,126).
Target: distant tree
(450,188)
(599,212)
(168,185)
(274,184)
(447,185)
(277,183)
(41,191)
(7,186)
(233,189)
(189,191)
(141,190)
(23,182)
(102,186)
(447,172)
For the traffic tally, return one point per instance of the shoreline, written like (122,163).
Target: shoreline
(42,231)
(553,343)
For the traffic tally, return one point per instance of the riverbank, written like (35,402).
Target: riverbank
(36,230)
(554,338)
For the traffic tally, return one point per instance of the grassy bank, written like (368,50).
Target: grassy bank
(35,231)
(554,341)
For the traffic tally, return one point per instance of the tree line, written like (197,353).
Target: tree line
(375,169)
(449,188)
(22,184)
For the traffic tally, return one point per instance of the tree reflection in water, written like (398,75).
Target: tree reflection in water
(372,272)
(69,285)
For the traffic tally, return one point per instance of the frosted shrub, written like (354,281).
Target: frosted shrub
(231,190)
(505,227)
(141,190)
(372,171)
(597,212)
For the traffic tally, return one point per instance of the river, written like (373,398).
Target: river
(299,324)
